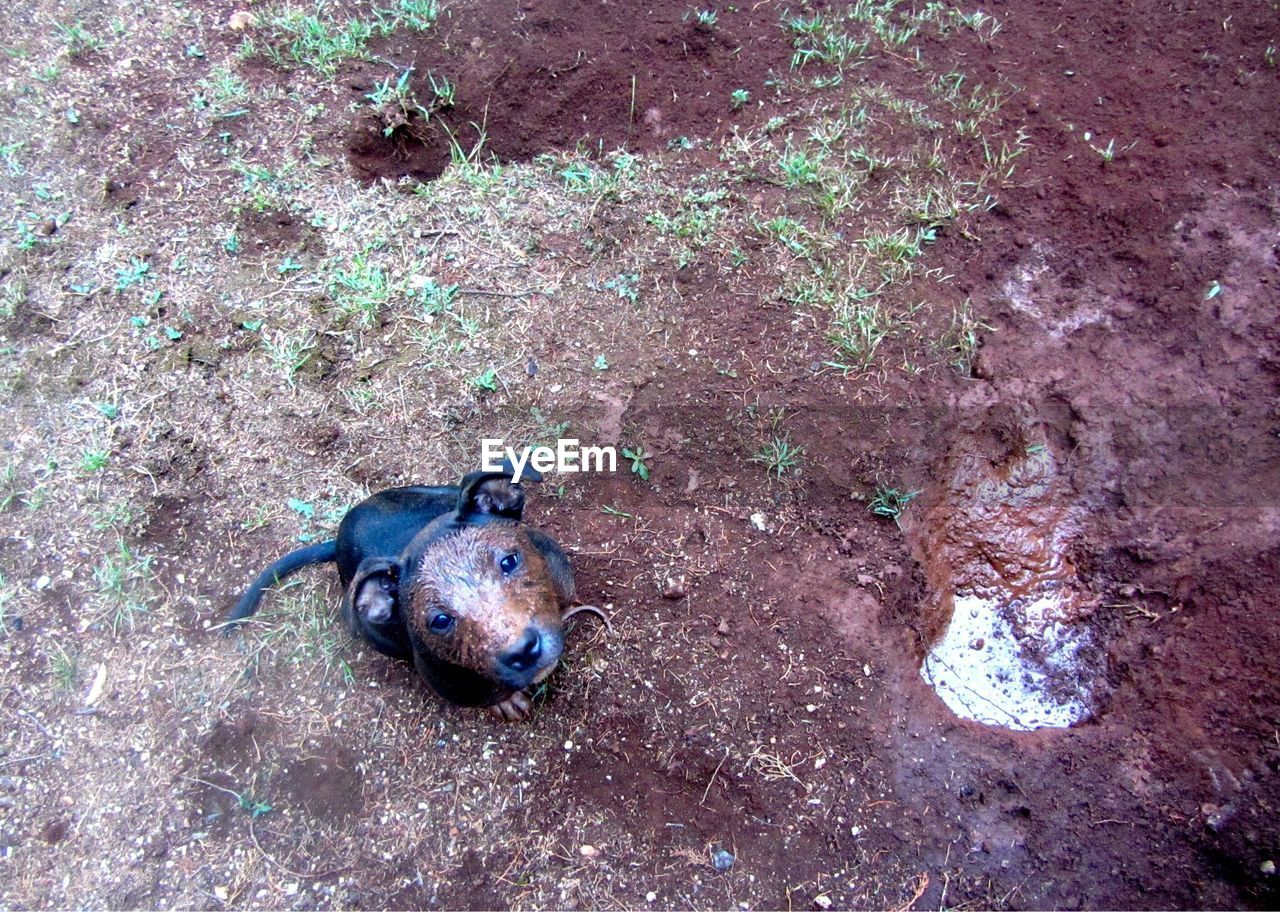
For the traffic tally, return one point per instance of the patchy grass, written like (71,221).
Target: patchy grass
(316,38)
(779,455)
(124,580)
(297,631)
(215,341)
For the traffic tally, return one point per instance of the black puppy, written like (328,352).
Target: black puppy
(451,579)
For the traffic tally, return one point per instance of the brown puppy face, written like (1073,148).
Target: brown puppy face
(480,600)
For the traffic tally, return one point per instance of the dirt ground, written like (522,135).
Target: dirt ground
(801,254)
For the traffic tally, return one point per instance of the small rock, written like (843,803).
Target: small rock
(760,521)
(722,860)
(822,901)
(531,367)
(47,227)
(222,893)
(723,627)
(588,851)
(1268,867)
(650,896)
(43,583)
(673,587)
(866,579)
(1218,819)
(241,20)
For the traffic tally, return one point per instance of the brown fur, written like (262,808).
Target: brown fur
(460,574)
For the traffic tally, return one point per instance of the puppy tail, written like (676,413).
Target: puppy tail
(321,553)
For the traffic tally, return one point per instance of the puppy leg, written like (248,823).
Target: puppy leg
(515,708)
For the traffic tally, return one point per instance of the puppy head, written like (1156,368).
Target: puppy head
(482,611)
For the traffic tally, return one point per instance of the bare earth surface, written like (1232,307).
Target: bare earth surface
(229,313)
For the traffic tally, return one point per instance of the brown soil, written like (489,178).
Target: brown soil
(774,709)
(1094,278)
(537,76)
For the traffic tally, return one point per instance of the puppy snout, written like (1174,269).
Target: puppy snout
(527,653)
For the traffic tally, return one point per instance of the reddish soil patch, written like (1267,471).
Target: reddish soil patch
(541,76)
(1095,276)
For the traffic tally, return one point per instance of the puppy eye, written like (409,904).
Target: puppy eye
(509,562)
(441,622)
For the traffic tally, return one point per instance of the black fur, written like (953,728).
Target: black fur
(290,563)
(368,551)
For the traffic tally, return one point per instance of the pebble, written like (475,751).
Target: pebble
(241,20)
(650,896)
(722,860)
(760,521)
(1268,867)
(673,587)
(588,851)
(822,901)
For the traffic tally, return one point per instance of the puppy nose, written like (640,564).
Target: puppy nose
(526,655)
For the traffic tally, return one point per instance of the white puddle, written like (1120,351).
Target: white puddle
(1012,641)
(982,672)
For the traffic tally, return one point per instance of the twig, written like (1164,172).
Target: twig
(504,294)
(920,888)
(712,780)
(30,717)
(590,609)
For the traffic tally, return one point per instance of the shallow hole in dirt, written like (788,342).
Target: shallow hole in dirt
(1010,645)
(571,75)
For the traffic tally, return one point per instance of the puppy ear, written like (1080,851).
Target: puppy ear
(490,493)
(557,566)
(373,597)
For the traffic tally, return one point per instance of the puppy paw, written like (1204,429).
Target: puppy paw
(515,708)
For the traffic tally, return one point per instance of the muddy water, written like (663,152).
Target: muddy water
(1006,612)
